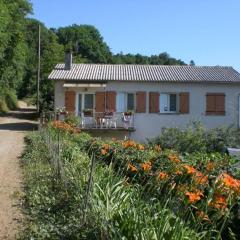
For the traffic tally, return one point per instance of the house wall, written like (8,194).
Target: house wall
(149,125)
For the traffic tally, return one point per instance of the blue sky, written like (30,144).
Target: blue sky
(206,31)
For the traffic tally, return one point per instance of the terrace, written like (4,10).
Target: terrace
(97,121)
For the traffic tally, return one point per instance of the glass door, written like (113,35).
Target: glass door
(85,104)
(88,105)
(79,105)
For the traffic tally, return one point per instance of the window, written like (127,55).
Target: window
(88,101)
(215,104)
(79,103)
(125,102)
(168,103)
(120,102)
(130,101)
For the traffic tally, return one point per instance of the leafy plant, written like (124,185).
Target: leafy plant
(73,120)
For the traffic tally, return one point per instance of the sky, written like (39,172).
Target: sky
(206,31)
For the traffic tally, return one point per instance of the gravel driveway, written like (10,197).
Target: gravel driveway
(13,128)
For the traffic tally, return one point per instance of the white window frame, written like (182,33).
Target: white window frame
(83,102)
(126,101)
(167,94)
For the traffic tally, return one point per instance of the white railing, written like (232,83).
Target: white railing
(101,120)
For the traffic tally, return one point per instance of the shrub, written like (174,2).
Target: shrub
(11,100)
(73,120)
(3,106)
(196,138)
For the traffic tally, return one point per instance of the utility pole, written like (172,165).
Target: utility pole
(39,66)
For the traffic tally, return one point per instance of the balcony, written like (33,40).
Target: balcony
(110,121)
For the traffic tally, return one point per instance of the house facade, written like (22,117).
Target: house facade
(139,101)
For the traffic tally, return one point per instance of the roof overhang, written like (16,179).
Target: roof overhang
(84,85)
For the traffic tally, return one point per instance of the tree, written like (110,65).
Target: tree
(86,42)
(191,63)
(12,45)
(51,53)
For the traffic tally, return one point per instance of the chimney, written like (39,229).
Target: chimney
(68,60)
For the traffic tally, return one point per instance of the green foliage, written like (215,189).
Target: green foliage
(73,120)
(161,59)
(3,106)
(86,42)
(57,205)
(11,100)
(196,138)
(12,46)
(121,202)
(8,99)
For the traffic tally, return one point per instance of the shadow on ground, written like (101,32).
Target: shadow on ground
(19,126)
(23,113)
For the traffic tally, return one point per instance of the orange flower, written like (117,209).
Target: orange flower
(194,196)
(162,175)
(157,148)
(132,168)
(178,172)
(65,127)
(103,151)
(146,166)
(210,166)
(174,158)
(190,169)
(128,144)
(218,202)
(140,147)
(230,182)
(199,178)
(106,146)
(203,216)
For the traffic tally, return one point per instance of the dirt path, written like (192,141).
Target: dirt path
(13,128)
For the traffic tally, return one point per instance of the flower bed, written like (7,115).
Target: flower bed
(198,187)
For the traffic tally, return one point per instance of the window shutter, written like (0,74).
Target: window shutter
(100,102)
(141,102)
(220,104)
(184,102)
(215,104)
(210,104)
(70,97)
(153,102)
(111,101)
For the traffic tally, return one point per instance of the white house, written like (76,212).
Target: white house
(137,101)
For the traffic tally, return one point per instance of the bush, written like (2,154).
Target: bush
(196,138)
(73,120)
(11,100)
(3,106)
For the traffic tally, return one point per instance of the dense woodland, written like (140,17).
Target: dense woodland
(19,53)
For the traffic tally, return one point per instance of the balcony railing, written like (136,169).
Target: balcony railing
(101,120)
(97,120)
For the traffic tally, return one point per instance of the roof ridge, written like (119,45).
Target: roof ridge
(149,65)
